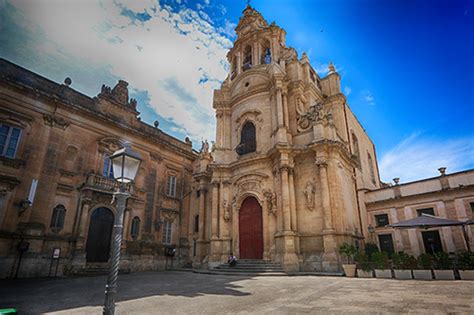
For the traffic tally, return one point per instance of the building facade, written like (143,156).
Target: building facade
(293,174)
(56,180)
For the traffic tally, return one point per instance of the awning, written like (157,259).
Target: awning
(425,221)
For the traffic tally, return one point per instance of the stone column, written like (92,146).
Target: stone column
(285,109)
(202,212)
(83,223)
(330,259)
(126,225)
(294,225)
(255,54)
(285,198)
(215,211)
(239,62)
(279,103)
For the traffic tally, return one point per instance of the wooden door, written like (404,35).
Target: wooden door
(100,232)
(250,229)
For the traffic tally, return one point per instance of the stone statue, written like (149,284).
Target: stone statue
(205,147)
(271,199)
(225,206)
(309,194)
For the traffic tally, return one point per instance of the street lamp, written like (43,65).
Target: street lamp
(371,230)
(125,163)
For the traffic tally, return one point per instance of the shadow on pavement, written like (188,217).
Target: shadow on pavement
(36,296)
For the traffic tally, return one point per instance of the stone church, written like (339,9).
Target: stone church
(291,176)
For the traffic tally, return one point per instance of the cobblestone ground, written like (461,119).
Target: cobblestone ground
(189,293)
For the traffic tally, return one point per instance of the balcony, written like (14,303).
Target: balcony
(104,184)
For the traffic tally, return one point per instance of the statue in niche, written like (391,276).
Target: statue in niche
(225,206)
(309,194)
(268,56)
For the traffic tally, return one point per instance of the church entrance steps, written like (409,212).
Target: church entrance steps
(96,269)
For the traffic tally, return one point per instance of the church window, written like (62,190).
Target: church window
(108,170)
(247,139)
(57,220)
(355,143)
(234,69)
(371,168)
(135,228)
(9,139)
(312,75)
(247,58)
(171,186)
(167,232)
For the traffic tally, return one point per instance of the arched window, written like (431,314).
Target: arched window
(248,141)
(266,57)
(371,168)
(355,144)
(135,231)
(247,58)
(233,69)
(57,220)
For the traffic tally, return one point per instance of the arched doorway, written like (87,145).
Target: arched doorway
(100,232)
(250,229)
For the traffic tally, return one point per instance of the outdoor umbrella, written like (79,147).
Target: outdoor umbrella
(427,221)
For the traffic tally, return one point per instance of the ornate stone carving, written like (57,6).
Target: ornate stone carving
(119,94)
(169,215)
(271,200)
(321,162)
(155,157)
(234,203)
(309,192)
(315,114)
(226,211)
(55,121)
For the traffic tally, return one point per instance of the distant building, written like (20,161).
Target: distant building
(56,179)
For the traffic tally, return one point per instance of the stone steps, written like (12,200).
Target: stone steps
(249,267)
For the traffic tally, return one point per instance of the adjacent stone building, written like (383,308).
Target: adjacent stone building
(56,180)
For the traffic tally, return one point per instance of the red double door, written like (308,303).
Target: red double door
(250,229)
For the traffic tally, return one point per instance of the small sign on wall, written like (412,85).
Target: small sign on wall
(56,253)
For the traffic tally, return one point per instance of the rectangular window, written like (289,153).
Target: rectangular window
(429,211)
(381,219)
(9,139)
(167,232)
(171,186)
(108,170)
(432,242)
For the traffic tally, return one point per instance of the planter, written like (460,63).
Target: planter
(364,274)
(422,274)
(466,274)
(383,273)
(402,274)
(349,270)
(444,274)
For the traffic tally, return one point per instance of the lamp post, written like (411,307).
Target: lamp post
(371,230)
(125,163)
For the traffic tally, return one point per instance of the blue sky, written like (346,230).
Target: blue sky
(406,66)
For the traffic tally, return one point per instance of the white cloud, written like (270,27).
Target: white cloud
(166,55)
(368,97)
(417,158)
(347,90)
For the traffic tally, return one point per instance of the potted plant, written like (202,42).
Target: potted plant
(423,268)
(348,250)
(381,265)
(465,265)
(403,264)
(443,267)
(364,266)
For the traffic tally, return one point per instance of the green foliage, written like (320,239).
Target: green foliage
(348,250)
(465,261)
(403,261)
(380,260)
(363,262)
(442,261)
(425,261)
(370,249)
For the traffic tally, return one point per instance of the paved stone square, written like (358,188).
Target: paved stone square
(189,293)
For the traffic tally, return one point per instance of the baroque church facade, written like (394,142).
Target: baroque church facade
(291,176)
(288,162)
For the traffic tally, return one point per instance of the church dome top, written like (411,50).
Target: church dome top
(250,20)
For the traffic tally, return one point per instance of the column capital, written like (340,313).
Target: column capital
(321,162)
